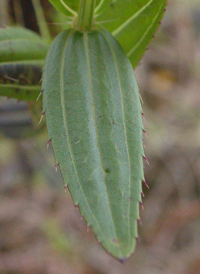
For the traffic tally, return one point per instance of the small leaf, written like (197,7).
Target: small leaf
(133,23)
(22,54)
(93,115)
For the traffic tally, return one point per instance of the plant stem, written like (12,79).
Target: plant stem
(86,14)
(41,20)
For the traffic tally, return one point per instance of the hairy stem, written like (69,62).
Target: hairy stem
(86,14)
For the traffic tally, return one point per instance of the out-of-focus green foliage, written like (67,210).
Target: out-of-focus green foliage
(22,54)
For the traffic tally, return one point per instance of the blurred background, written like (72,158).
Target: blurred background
(41,231)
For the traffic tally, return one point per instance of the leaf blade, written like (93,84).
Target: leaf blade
(88,125)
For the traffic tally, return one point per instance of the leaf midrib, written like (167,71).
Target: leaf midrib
(96,129)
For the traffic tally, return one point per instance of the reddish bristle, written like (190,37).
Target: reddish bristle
(142,206)
(144,131)
(144,157)
(145,183)
(140,222)
(48,142)
(43,113)
(56,167)
(143,117)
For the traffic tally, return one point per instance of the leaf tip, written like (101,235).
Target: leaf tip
(122,260)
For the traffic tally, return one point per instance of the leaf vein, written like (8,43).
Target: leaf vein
(132,18)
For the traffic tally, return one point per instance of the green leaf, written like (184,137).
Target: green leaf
(22,54)
(94,122)
(133,23)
